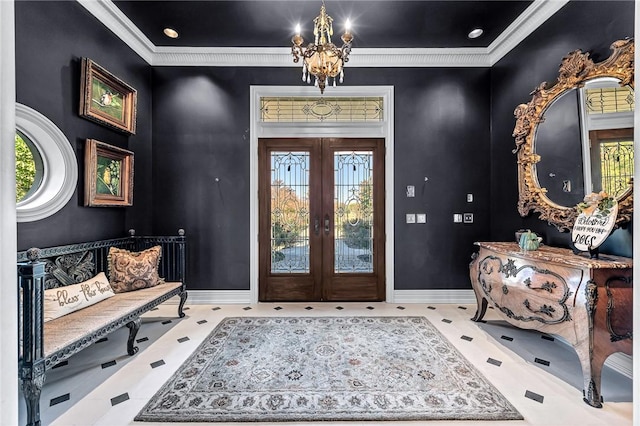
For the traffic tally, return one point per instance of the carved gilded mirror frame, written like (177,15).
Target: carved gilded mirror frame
(576,69)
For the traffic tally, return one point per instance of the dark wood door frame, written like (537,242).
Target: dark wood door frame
(321,283)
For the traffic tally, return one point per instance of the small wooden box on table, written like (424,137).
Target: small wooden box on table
(588,302)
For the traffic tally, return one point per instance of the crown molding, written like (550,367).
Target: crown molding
(222,56)
(420,57)
(533,16)
(281,57)
(116,21)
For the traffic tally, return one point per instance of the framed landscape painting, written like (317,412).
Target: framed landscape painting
(106,99)
(108,175)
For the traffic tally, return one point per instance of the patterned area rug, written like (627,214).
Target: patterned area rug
(335,368)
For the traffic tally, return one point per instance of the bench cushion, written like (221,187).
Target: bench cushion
(66,330)
(61,301)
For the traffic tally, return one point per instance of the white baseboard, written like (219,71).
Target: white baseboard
(434,296)
(622,363)
(241,297)
(216,297)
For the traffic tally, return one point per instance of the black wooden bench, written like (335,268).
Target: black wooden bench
(43,345)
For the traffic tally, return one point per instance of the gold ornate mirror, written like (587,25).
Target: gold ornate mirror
(576,137)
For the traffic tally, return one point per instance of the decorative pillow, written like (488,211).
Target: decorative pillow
(130,270)
(64,300)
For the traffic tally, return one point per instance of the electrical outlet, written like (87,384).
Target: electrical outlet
(469,198)
(421,218)
(411,218)
(468,218)
(457,218)
(411,191)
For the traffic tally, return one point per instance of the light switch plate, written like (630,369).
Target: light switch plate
(421,218)
(468,218)
(457,217)
(411,191)
(411,218)
(469,198)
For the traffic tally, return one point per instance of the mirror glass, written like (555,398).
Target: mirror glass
(558,143)
(607,116)
(585,142)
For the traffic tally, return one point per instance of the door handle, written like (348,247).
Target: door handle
(326,224)
(316,225)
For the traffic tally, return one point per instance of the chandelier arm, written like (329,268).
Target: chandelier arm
(346,50)
(297,53)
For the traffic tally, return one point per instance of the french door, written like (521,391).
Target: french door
(321,225)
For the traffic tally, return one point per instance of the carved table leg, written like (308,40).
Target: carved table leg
(591,372)
(32,382)
(480,299)
(134,326)
(591,393)
(183,299)
(481,310)
(591,368)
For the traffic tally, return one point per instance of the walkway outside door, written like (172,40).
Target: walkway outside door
(321,225)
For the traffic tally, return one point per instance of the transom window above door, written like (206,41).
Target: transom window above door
(321,109)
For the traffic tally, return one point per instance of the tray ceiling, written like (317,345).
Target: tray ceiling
(376,23)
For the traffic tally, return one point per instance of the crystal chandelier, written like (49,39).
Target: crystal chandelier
(322,59)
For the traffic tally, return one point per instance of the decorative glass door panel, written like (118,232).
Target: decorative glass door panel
(290,212)
(353,187)
(321,224)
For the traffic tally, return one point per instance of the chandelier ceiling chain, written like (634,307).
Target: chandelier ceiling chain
(322,59)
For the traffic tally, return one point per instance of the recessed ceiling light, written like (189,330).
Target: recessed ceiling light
(475,33)
(170,32)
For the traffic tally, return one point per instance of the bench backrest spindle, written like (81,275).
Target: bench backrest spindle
(31,283)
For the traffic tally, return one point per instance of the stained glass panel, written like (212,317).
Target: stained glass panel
(616,161)
(353,217)
(324,109)
(609,100)
(290,212)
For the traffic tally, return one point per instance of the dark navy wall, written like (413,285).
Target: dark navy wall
(51,38)
(586,25)
(201,125)
(452,125)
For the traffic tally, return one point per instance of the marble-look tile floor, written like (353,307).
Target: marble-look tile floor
(103,386)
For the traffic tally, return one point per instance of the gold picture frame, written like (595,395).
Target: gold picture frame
(108,175)
(106,99)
